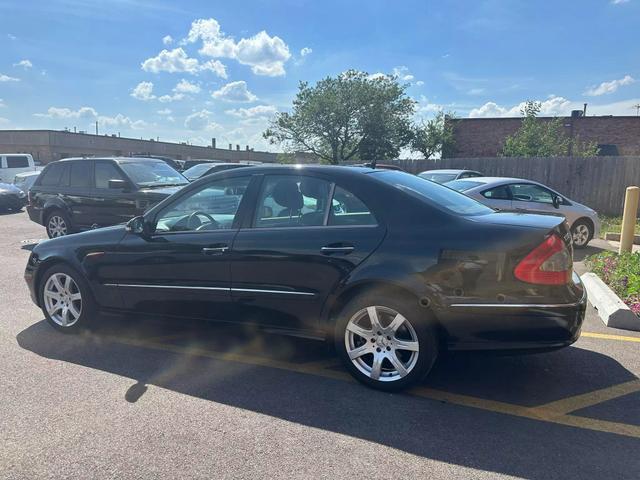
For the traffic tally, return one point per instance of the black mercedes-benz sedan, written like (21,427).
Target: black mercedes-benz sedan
(391,267)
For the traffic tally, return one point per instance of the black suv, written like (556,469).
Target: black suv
(78,194)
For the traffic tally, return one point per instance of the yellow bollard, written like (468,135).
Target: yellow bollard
(629,218)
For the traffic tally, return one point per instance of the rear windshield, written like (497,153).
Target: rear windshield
(152,174)
(463,185)
(196,171)
(433,193)
(439,177)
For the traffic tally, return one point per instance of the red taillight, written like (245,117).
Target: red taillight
(550,263)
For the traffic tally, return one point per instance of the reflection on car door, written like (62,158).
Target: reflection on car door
(297,249)
(183,267)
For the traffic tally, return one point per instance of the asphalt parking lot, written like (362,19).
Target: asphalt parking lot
(144,398)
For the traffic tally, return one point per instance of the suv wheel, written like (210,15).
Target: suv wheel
(58,224)
(385,343)
(65,299)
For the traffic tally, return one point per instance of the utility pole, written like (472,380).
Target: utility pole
(96,127)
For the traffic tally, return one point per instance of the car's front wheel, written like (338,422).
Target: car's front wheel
(65,299)
(582,233)
(386,343)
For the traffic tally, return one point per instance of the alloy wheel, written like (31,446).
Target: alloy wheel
(57,227)
(62,299)
(581,235)
(381,343)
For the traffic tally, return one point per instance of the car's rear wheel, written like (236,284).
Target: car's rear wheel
(386,343)
(65,299)
(582,233)
(58,224)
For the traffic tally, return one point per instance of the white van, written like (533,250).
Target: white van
(14,163)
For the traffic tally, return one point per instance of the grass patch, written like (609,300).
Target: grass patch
(621,273)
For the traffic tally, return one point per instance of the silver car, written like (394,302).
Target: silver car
(518,195)
(447,175)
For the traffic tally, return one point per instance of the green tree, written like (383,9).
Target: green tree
(537,138)
(350,117)
(434,137)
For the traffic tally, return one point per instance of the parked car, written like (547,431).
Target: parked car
(177,165)
(24,181)
(518,195)
(207,168)
(77,194)
(13,163)
(197,161)
(444,176)
(11,197)
(402,270)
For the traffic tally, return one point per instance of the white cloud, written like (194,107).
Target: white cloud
(58,112)
(606,88)
(257,111)
(171,98)
(475,91)
(7,78)
(4,121)
(167,39)
(376,75)
(403,74)
(11,36)
(2,104)
(305,51)
(419,83)
(235,92)
(24,64)
(619,2)
(143,91)
(90,114)
(177,60)
(216,66)
(200,121)
(164,111)
(266,55)
(552,106)
(185,86)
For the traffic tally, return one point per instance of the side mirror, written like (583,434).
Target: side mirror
(557,201)
(117,184)
(138,226)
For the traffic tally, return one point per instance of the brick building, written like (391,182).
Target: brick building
(485,137)
(49,145)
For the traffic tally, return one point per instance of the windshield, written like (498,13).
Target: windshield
(439,177)
(433,193)
(152,174)
(197,171)
(462,185)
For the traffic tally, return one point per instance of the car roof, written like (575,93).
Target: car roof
(116,159)
(448,170)
(496,180)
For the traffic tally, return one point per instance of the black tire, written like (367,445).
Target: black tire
(86,306)
(55,216)
(423,330)
(582,233)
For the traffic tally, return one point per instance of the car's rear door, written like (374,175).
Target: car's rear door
(297,247)
(498,197)
(78,193)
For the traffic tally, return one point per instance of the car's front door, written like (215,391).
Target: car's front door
(298,247)
(529,197)
(182,266)
(112,205)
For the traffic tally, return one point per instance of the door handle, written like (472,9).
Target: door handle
(335,249)
(215,250)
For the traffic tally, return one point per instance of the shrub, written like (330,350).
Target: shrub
(621,273)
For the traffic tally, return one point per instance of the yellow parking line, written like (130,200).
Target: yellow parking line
(577,402)
(542,413)
(607,336)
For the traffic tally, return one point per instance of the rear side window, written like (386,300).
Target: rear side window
(499,193)
(80,175)
(50,177)
(347,209)
(17,162)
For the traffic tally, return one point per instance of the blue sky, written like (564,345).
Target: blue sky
(192,70)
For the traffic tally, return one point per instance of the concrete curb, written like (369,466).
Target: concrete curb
(613,311)
(615,237)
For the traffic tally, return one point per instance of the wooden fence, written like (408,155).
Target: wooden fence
(598,182)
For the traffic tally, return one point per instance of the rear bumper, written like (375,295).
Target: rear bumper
(514,327)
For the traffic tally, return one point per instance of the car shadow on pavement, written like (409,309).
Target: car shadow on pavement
(470,437)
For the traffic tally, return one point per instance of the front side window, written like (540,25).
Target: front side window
(106,171)
(347,209)
(292,201)
(80,175)
(18,162)
(146,173)
(528,192)
(212,207)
